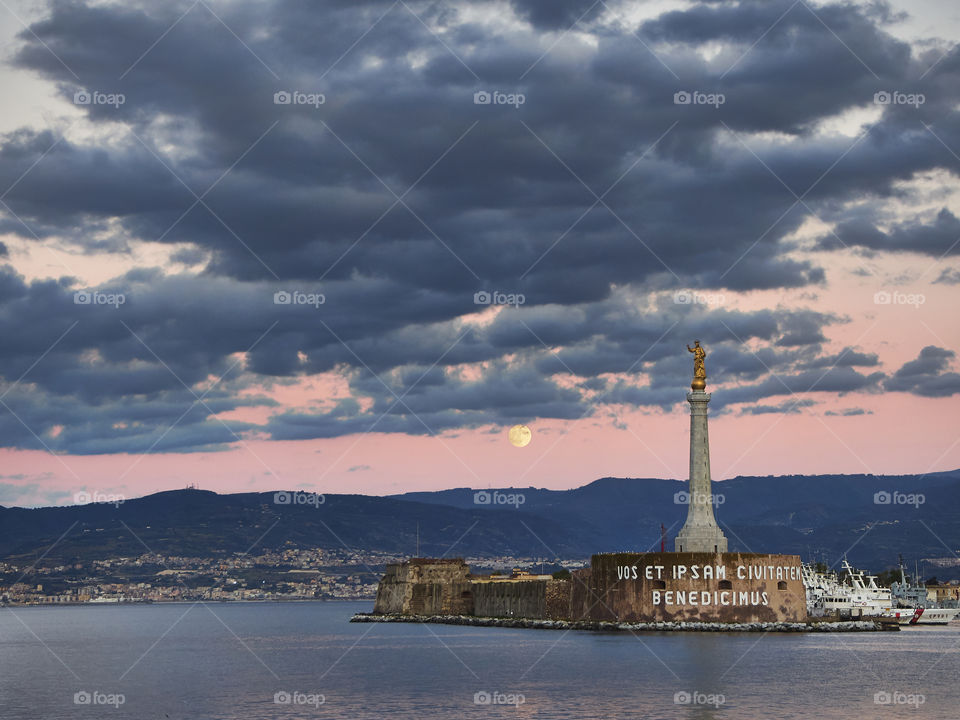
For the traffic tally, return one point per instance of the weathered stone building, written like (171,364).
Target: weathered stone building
(530,597)
(708,587)
(620,587)
(426,586)
(430,586)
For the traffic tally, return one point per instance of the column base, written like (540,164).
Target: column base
(703,539)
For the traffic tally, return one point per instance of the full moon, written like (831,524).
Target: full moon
(520,435)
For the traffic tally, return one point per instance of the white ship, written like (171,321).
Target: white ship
(912,598)
(828,595)
(923,616)
(860,596)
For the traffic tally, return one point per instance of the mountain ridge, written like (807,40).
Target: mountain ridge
(816,516)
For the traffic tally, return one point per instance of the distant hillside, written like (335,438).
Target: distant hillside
(200,523)
(819,516)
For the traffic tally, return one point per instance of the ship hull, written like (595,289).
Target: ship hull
(923,616)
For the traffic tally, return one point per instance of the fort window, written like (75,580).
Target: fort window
(726,585)
(782,585)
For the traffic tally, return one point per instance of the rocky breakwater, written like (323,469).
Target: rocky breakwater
(608,626)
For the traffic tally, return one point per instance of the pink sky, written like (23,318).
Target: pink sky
(903,435)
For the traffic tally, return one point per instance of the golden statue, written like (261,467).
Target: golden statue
(699,372)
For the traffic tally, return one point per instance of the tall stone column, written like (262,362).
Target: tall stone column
(700,533)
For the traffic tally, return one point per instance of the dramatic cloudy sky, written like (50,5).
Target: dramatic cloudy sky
(799,216)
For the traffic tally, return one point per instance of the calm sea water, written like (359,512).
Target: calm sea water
(230,661)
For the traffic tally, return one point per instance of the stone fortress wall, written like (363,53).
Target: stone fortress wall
(511,598)
(704,587)
(426,586)
(621,587)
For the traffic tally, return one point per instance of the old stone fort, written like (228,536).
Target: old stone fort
(700,581)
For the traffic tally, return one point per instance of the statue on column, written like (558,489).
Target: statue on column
(699,372)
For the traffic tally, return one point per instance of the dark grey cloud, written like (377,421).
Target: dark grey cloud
(938,238)
(848,357)
(503,396)
(557,14)
(804,329)
(787,408)
(539,383)
(949,276)
(836,381)
(301,181)
(849,412)
(301,198)
(169,422)
(927,376)
(119,376)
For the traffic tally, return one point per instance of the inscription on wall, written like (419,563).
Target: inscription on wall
(712,596)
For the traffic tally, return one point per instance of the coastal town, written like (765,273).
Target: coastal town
(292,574)
(288,574)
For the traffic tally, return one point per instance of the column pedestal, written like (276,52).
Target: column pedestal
(700,533)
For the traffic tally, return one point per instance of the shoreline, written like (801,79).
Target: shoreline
(608,626)
(128,603)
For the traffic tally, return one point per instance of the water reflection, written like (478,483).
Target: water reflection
(231,661)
